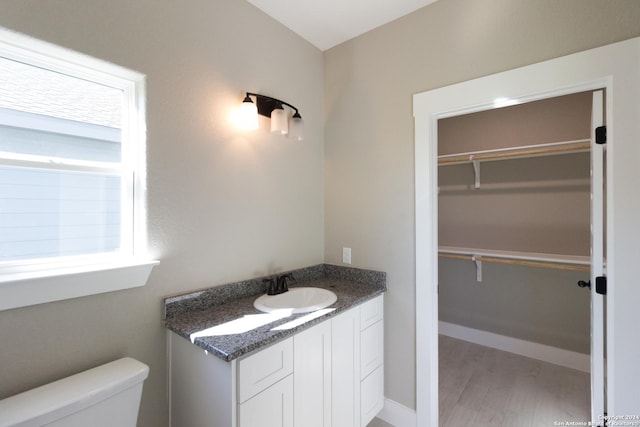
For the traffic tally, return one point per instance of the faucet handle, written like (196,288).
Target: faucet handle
(272,286)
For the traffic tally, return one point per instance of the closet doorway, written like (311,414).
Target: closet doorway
(608,67)
(514,224)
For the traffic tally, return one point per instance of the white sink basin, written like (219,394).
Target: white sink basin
(300,300)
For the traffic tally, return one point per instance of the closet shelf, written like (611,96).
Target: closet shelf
(565,147)
(529,259)
(476,157)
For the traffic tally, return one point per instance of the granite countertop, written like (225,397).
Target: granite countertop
(223,321)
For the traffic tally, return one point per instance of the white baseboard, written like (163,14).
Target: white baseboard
(558,356)
(397,415)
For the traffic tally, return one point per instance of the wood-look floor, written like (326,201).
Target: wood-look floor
(482,386)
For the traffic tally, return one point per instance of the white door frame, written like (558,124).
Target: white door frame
(614,67)
(597,262)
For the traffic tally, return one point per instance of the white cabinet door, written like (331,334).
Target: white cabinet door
(272,407)
(312,376)
(345,373)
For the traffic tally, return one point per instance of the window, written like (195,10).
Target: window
(72,174)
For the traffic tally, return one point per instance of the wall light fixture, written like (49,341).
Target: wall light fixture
(274,109)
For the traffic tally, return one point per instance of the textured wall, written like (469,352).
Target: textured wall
(369,84)
(223,206)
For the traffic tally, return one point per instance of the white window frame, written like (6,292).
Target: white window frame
(32,282)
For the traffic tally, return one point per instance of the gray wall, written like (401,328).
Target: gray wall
(223,205)
(369,145)
(532,304)
(538,204)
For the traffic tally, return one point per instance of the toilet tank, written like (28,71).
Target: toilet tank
(105,396)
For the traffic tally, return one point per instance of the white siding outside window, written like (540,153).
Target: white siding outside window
(72,193)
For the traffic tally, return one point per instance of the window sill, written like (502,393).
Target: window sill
(24,289)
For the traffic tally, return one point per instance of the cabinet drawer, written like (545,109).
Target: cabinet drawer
(371,312)
(271,408)
(371,348)
(266,367)
(371,395)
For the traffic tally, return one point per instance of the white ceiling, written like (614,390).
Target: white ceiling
(326,23)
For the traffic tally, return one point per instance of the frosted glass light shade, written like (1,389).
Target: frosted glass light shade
(279,121)
(248,115)
(296,128)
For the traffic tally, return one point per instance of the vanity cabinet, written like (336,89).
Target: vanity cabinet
(206,391)
(330,375)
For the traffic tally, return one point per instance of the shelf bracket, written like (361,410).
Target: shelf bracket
(478,268)
(476,170)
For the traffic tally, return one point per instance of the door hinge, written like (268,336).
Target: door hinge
(601,285)
(601,135)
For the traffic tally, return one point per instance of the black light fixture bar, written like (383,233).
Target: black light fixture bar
(267,104)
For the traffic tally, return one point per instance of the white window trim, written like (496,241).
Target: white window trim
(24,285)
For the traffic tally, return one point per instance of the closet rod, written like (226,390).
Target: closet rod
(583,146)
(541,264)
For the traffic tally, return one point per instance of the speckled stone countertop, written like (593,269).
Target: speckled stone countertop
(222,320)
